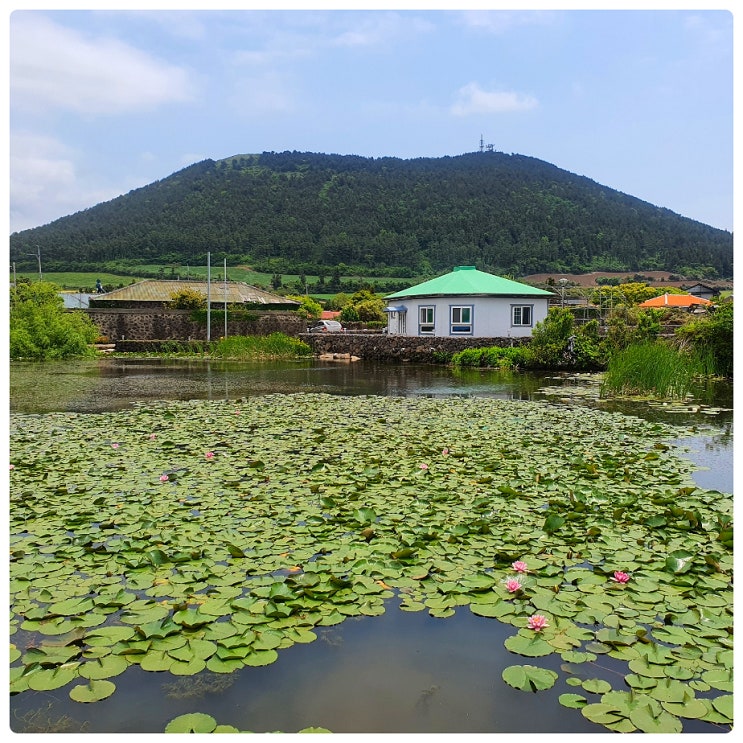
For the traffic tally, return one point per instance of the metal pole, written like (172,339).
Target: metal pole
(225,297)
(208,297)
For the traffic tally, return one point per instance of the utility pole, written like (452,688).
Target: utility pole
(225,297)
(208,296)
(37,255)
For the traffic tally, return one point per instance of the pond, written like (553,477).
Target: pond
(400,671)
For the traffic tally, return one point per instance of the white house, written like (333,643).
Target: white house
(467,302)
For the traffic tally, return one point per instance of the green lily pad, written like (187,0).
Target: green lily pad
(194,722)
(93,691)
(529,678)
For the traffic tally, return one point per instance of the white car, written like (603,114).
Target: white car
(326,326)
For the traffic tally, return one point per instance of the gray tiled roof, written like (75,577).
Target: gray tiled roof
(155,290)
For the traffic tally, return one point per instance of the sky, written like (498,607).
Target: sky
(105,101)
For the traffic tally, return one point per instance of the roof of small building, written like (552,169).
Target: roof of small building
(674,300)
(162,290)
(468,281)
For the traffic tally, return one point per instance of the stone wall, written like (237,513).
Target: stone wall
(396,348)
(162,324)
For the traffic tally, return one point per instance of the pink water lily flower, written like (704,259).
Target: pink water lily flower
(519,566)
(153,435)
(114,446)
(12,466)
(620,577)
(444,451)
(512,585)
(423,466)
(210,455)
(538,622)
(163,478)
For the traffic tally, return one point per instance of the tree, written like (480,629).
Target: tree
(712,335)
(310,309)
(187,299)
(40,327)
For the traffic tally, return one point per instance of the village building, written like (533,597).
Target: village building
(467,303)
(143,312)
(687,302)
(152,293)
(704,291)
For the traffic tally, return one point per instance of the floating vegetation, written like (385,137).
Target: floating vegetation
(195,687)
(589,387)
(201,538)
(199,722)
(43,720)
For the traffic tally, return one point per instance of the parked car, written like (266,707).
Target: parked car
(326,326)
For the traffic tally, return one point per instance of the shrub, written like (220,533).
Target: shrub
(40,327)
(493,357)
(712,334)
(187,299)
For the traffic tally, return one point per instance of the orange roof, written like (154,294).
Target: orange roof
(674,300)
(329,315)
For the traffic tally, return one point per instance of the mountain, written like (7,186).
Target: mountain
(295,211)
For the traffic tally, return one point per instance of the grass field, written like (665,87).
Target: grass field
(85,281)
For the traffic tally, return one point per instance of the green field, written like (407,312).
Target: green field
(85,281)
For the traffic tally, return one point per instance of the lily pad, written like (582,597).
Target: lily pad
(94,691)
(529,678)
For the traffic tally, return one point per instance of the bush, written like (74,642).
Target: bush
(492,357)
(187,299)
(712,335)
(310,309)
(41,329)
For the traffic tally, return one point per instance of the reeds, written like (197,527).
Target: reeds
(657,369)
(247,347)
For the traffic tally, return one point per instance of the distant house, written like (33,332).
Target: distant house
(141,312)
(75,300)
(157,293)
(467,302)
(682,301)
(703,291)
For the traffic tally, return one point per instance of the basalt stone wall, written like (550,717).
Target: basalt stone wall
(162,324)
(396,348)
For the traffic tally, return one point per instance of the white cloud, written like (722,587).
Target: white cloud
(472,99)
(377,29)
(44,182)
(53,67)
(502,21)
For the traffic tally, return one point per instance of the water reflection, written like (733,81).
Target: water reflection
(110,384)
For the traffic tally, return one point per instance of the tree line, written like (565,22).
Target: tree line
(307,213)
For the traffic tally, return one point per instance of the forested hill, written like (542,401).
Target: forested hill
(303,211)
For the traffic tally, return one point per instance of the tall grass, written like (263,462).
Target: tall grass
(656,369)
(248,347)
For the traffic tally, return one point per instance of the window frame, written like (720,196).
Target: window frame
(460,326)
(426,326)
(520,308)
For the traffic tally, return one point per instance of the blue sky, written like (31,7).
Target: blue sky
(105,101)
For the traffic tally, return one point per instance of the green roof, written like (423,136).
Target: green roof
(468,281)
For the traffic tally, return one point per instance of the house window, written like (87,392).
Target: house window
(425,320)
(461,320)
(521,314)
